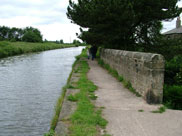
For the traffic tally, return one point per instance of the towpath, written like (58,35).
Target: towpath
(122,109)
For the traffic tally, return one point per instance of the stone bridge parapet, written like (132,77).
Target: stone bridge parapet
(145,71)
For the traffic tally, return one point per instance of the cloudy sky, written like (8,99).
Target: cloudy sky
(49,16)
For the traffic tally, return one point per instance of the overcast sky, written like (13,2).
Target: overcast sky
(49,16)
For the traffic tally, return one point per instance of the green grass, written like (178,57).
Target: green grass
(160,110)
(114,73)
(86,119)
(16,48)
(140,110)
(72,98)
(71,86)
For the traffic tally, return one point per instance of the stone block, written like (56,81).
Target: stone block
(144,70)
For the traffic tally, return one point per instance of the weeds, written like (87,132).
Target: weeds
(72,98)
(141,110)
(160,110)
(114,73)
(69,86)
(50,133)
(92,96)
(86,118)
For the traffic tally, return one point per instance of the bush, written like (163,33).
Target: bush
(173,71)
(31,36)
(173,97)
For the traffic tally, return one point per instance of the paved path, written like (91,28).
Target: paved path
(121,109)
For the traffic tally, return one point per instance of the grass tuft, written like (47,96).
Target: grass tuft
(50,133)
(92,96)
(140,110)
(160,110)
(72,98)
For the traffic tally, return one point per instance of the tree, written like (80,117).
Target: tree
(4,32)
(123,24)
(15,34)
(76,41)
(32,35)
(29,34)
(61,41)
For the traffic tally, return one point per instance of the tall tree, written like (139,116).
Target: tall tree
(121,23)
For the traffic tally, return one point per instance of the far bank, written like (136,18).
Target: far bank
(15,48)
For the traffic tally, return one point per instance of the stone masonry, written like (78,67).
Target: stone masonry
(145,71)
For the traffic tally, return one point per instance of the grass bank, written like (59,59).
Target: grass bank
(87,119)
(16,48)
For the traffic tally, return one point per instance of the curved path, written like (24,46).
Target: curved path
(122,109)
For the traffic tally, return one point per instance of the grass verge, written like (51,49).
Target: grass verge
(16,48)
(114,73)
(87,119)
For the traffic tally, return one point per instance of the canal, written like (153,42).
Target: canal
(30,85)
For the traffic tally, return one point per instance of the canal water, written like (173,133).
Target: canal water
(29,88)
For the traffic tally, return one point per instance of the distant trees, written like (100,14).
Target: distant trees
(76,41)
(122,24)
(28,34)
(61,41)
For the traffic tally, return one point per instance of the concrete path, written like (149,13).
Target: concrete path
(121,109)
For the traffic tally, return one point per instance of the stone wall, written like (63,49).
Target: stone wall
(145,71)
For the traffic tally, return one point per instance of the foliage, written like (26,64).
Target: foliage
(28,34)
(32,35)
(50,133)
(86,119)
(173,71)
(173,96)
(61,41)
(141,110)
(167,47)
(72,98)
(15,48)
(160,110)
(77,43)
(121,24)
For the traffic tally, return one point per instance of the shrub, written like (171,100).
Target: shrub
(173,96)
(173,71)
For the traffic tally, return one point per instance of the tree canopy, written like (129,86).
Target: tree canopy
(28,34)
(121,24)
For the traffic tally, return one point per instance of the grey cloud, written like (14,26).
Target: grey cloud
(48,11)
